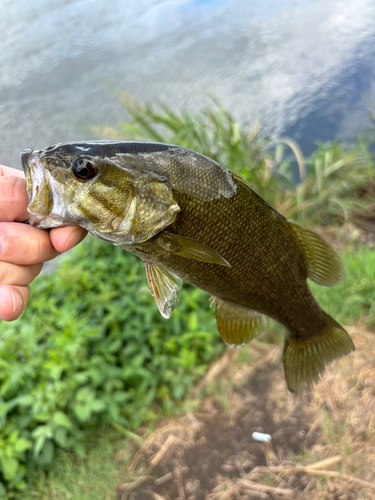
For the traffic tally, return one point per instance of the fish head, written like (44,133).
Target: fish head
(112,199)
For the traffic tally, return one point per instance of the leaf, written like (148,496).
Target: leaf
(39,443)
(42,430)
(13,436)
(80,450)
(193,321)
(98,405)
(61,437)
(22,445)
(41,433)
(25,400)
(114,411)
(21,485)
(62,419)
(85,394)
(9,467)
(42,417)
(47,453)
(4,407)
(83,412)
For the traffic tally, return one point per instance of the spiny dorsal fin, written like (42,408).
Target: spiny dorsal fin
(324,266)
(238,326)
(241,180)
(305,359)
(164,286)
(191,249)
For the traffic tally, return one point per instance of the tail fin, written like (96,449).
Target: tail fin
(305,359)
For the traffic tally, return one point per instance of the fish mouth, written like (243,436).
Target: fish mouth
(34,172)
(40,205)
(24,160)
(47,207)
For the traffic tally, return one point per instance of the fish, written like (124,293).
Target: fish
(191,219)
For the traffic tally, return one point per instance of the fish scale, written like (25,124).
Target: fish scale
(190,219)
(250,278)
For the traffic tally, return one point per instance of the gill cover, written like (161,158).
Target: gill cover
(123,207)
(151,208)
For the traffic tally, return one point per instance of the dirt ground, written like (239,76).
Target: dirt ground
(322,443)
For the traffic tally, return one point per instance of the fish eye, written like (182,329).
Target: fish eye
(84,170)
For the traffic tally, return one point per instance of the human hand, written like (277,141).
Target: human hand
(23,248)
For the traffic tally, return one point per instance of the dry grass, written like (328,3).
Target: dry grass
(323,443)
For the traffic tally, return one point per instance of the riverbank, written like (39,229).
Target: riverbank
(322,444)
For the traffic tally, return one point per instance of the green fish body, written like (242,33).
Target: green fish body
(190,219)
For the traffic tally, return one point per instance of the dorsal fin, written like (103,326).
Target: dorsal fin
(241,180)
(238,326)
(324,266)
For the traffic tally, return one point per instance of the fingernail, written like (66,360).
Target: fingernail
(2,244)
(17,301)
(82,234)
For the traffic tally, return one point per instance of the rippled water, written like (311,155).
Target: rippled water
(302,68)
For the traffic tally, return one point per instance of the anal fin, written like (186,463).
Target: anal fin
(238,326)
(164,286)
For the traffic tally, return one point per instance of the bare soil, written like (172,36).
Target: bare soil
(322,443)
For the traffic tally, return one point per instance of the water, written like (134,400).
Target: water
(302,68)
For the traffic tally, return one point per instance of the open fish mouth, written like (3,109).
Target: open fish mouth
(47,207)
(38,192)
(34,172)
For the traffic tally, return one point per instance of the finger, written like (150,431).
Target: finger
(13,198)
(8,171)
(11,274)
(65,238)
(13,300)
(25,245)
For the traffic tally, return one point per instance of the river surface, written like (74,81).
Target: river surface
(305,69)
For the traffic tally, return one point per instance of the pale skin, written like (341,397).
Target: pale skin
(24,248)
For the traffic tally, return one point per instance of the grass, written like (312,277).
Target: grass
(92,478)
(354,298)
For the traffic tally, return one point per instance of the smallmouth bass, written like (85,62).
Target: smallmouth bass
(190,219)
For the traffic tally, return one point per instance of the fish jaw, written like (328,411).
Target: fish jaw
(48,205)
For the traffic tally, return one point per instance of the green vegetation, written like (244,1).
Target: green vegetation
(354,298)
(92,347)
(333,184)
(92,355)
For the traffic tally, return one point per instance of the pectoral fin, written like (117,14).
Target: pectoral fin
(164,286)
(191,249)
(238,326)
